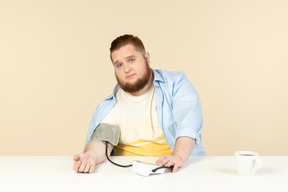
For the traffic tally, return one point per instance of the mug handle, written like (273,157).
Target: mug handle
(257,164)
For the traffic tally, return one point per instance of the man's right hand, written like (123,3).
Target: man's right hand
(83,163)
(94,154)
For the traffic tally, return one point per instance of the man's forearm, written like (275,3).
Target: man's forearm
(183,147)
(97,150)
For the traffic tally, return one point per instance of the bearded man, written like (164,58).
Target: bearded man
(158,112)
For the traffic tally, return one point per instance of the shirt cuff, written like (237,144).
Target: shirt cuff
(188,132)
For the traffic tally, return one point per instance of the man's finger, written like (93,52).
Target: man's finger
(162,160)
(169,164)
(76,165)
(175,168)
(87,168)
(82,166)
(92,167)
(158,161)
(76,157)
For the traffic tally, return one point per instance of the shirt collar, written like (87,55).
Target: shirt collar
(157,77)
(113,95)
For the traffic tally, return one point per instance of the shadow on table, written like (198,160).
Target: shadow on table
(193,160)
(260,172)
(266,171)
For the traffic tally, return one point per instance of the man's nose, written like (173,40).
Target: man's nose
(127,67)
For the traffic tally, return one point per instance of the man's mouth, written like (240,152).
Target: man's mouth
(130,76)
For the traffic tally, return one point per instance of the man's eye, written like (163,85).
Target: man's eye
(132,60)
(119,65)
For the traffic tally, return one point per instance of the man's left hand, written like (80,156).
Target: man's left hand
(171,160)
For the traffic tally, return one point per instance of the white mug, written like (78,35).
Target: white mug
(247,162)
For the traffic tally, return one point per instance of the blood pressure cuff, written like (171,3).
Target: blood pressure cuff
(107,132)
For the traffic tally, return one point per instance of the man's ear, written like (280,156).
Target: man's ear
(147,57)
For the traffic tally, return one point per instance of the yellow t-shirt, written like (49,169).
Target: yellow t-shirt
(136,116)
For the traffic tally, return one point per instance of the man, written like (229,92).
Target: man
(158,112)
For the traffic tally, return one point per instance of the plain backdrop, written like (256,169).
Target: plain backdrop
(55,68)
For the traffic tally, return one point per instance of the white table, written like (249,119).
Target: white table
(210,173)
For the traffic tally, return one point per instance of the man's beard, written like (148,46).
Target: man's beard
(139,84)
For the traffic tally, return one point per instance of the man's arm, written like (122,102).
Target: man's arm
(182,150)
(94,154)
(187,114)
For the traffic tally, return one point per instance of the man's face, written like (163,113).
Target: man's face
(132,69)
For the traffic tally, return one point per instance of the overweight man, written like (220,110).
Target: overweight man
(158,112)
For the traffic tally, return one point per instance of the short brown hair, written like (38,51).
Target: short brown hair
(126,40)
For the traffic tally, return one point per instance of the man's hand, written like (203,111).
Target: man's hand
(83,163)
(182,150)
(93,155)
(171,160)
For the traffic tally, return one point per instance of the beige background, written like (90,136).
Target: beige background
(55,68)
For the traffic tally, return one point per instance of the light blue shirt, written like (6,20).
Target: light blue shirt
(178,109)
